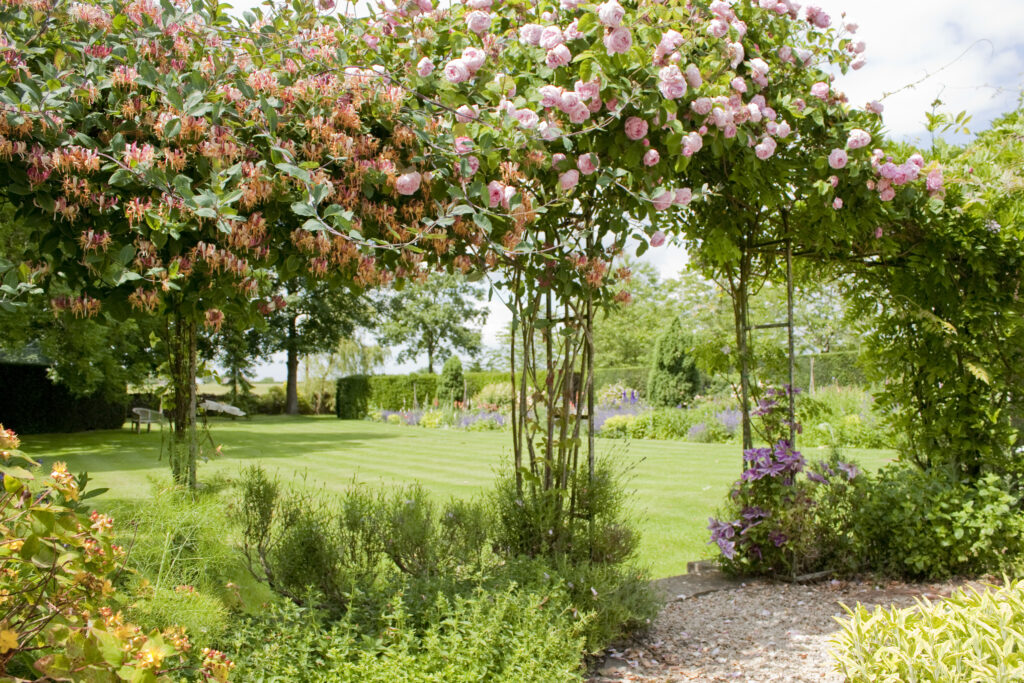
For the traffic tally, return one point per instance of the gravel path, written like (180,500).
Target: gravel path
(758,631)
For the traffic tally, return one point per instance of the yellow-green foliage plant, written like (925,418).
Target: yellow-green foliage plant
(972,636)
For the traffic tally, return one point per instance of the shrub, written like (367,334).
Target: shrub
(617,426)
(508,635)
(674,378)
(496,396)
(452,387)
(663,423)
(40,406)
(433,419)
(971,636)
(929,524)
(353,397)
(272,402)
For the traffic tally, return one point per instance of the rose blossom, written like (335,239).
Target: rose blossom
(529,34)
(587,164)
(463,144)
(558,56)
(820,90)
(474,58)
(692,143)
(671,82)
(551,96)
(570,100)
(765,149)
(682,196)
(588,90)
(495,193)
(548,131)
(610,13)
(858,63)
(569,179)
(858,138)
(618,40)
(557,158)
(874,106)
(473,164)
(466,113)
(717,28)
(550,37)
(572,31)
(636,128)
(478,21)
(527,119)
(657,239)
(837,203)
(739,85)
(425,67)
(693,76)
(663,199)
(456,71)
(479,4)
(579,113)
(408,183)
(837,159)
(651,157)
(933,183)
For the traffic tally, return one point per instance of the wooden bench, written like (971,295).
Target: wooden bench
(145,416)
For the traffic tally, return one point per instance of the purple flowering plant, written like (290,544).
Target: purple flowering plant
(784,516)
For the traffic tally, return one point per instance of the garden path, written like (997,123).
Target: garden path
(716,629)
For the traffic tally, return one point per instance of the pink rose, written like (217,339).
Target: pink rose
(472,165)
(682,196)
(618,40)
(852,27)
(527,119)
(569,179)
(529,34)
(887,195)
(408,183)
(425,67)
(572,31)
(657,239)
(588,90)
(579,113)
(817,17)
(934,181)
(739,85)
(636,128)
(495,193)
(702,105)
(463,144)
(693,76)
(551,37)
(651,157)
(874,106)
(478,21)
(717,28)
(916,159)
(466,113)
(456,71)
(548,131)
(663,199)
(837,203)
(784,130)
(551,96)
(610,13)
(558,56)
(736,53)
(786,53)
(474,58)
(858,47)
(587,164)
(692,143)
(858,138)
(858,63)
(837,159)
(833,180)
(479,4)
(671,82)
(765,149)
(820,90)
(371,41)
(570,100)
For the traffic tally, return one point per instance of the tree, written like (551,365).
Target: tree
(452,387)
(624,336)
(674,378)
(436,318)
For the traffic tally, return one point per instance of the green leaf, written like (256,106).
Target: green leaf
(294,171)
(172,128)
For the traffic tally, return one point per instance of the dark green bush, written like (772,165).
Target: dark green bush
(39,406)
(674,378)
(452,386)
(929,524)
(352,401)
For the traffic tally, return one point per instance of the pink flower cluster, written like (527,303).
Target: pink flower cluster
(408,183)
(462,68)
(671,82)
(668,197)
(499,194)
(573,102)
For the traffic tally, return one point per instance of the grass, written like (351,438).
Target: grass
(677,485)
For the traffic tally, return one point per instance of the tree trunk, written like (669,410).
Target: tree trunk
(430,358)
(184,440)
(291,404)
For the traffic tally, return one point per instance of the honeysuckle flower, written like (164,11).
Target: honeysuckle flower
(618,40)
(636,128)
(651,157)
(408,183)
(425,67)
(558,56)
(610,13)
(456,71)
(838,158)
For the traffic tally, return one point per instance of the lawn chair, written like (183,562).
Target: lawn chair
(145,416)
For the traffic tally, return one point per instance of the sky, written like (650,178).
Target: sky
(969,55)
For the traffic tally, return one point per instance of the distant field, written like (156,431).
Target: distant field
(677,485)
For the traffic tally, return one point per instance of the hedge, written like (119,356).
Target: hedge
(32,404)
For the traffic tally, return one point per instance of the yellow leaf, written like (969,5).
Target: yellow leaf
(8,641)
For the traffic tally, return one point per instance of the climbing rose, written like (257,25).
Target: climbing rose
(425,67)
(875,107)
(692,143)
(820,90)
(636,128)
(837,203)
(408,183)
(934,180)
(558,56)
(618,40)
(682,196)
(651,157)
(463,144)
(551,37)
(477,21)
(588,90)
(456,71)
(610,13)
(473,164)
(474,58)
(718,28)
(858,63)
(587,164)
(530,34)
(663,199)
(495,193)
(671,82)
(765,149)
(569,179)
(702,105)
(527,119)
(466,113)
(838,158)
(657,239)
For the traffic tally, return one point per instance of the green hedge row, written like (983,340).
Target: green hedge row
(31,404)
(356,394)
(841,368)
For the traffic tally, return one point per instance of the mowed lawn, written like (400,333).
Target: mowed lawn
(676,485)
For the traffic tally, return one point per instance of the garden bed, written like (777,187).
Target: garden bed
(755,631)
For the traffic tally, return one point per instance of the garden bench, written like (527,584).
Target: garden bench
(145,416)
(217,407)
